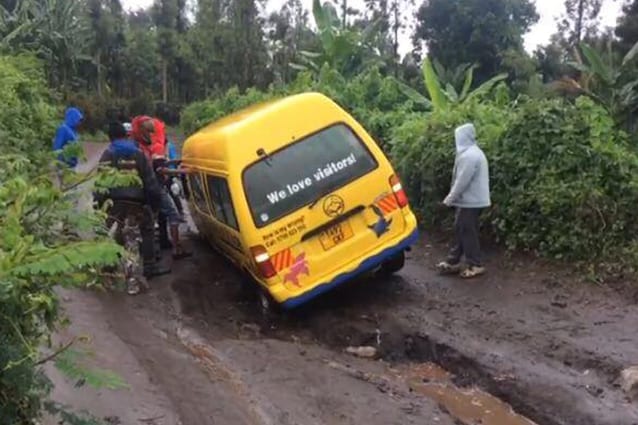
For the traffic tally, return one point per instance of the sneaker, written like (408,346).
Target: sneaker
(472,271)
(448,268)
(132,287)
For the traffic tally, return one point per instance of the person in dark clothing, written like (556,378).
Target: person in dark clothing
(134,203)
(149,133)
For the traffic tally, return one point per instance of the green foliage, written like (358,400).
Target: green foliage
(443,98)
(46,238)
(423,151)
(66,417)
(371,98)
(612,85)
(199,114)
(565,182)
(344,49)
(474,31)
(563,178)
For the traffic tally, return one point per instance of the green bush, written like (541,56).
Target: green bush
(199,114)
(565,182)
(562,176)
(27,120)
(40,243)
(99,111)
(423,152)
(372,99)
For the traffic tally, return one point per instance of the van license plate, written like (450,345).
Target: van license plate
(335,235)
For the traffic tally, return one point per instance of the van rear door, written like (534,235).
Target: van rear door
(321,202)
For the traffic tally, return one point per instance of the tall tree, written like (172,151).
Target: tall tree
(627,28)
(473,31)
(106,22)
(580,21)
(166,16)
(141,56)
(246,54)
(288,34)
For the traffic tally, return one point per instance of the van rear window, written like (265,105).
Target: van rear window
(300,173)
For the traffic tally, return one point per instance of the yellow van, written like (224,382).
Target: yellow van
(298,196)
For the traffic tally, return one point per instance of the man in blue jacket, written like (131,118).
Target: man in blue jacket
(469,194)
(133,202)
(67,133)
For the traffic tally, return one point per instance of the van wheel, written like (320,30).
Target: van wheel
(393,265)
(269,307)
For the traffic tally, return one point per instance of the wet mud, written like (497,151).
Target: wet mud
(541,360)
(526,344)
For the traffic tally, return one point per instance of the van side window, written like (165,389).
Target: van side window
(222,201)
(197,189)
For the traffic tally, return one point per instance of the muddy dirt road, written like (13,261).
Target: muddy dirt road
(195,350)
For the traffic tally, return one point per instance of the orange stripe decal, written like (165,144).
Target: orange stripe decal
(287,259)
(388,204)
(278,260)
(282,259)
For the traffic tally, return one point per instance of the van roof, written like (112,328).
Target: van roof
(269,126)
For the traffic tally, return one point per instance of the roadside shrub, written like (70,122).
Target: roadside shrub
(423,152)
(199,114)
(40,243)
(565,182)
(27,118)
(372,99)
(99,111)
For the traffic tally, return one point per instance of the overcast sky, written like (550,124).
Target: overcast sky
(549,10)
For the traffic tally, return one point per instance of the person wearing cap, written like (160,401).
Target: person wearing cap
(123,154)
(149,133)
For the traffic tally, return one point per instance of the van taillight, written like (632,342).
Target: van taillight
(399,193)
(262,258)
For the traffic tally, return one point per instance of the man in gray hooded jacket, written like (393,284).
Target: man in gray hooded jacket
(469,194)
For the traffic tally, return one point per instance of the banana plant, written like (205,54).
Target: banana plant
(344,49)
(611,84)
(442,97)
(51,29)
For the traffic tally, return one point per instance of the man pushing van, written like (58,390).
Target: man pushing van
(133,205)
(149,134)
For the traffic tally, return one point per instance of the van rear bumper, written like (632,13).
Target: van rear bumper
(368,264)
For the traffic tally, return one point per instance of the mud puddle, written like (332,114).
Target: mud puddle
(469,406)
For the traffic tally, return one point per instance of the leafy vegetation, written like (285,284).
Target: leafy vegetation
(442,97)
(563,162)
(46,240)
(613,85)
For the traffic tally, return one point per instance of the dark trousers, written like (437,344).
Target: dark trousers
(466,228)
(162,218)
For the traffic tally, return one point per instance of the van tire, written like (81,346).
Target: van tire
(267,304)
(393,265)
